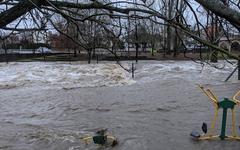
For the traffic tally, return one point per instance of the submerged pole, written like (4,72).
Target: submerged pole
(239,69)
(224,120)
(97,59)
(133,69)
(6,53)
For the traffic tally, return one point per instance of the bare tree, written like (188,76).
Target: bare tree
(43,12)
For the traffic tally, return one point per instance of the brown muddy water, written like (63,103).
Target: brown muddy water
(50,106)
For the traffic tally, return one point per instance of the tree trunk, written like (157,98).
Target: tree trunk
(222,10)
(89,56)
(137,46)
(214,57)
(75,53)
(6,55)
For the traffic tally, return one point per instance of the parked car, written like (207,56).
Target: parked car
(43,50)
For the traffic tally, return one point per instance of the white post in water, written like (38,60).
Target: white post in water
(239,68)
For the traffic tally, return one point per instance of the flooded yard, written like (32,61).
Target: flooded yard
(53,105)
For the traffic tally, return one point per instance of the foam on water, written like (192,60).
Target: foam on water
(69,76)
(186,70)
(66,76)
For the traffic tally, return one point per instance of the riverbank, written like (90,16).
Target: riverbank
(107,57)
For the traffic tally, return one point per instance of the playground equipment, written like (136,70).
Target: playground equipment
(101,138)
(225,104)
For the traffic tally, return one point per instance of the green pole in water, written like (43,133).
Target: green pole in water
(225,105)
(224,120)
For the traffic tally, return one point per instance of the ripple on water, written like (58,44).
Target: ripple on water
(99,109)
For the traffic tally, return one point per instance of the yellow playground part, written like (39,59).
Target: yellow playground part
(236,96)
(224,104)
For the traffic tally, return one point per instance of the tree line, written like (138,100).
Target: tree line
(108,24)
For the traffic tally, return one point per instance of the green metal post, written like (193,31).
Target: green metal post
(225,104)
(224,120)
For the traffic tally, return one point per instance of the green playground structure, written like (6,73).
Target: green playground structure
(101,138)
(225,104)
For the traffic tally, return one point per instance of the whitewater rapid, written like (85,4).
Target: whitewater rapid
(62,75)
(78,75)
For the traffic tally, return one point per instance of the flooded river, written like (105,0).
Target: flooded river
(52,105)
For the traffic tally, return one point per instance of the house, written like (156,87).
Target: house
(230,43)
